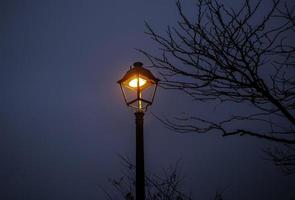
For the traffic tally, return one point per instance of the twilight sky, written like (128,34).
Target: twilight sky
(62,116)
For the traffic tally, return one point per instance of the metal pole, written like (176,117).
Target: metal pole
(140,186)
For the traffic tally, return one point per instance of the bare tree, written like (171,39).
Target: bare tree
(236,56)
(165,187)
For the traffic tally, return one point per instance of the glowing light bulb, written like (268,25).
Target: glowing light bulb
(133,82)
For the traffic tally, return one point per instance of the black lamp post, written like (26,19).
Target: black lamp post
(139,86)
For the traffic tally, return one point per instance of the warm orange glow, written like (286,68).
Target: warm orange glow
(133,82)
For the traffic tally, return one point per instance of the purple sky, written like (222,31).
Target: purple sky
(62,116)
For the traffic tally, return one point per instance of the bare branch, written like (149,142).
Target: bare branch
(230,55)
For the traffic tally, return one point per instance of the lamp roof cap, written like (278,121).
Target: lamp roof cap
(140,70)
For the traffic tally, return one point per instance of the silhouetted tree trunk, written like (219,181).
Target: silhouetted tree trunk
(235,56)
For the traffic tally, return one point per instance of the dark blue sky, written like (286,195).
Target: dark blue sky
(62,116)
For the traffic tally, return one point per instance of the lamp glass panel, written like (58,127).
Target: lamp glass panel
(148,93)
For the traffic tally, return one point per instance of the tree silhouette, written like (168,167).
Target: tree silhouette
(157,187)
(165,187)
(235,56)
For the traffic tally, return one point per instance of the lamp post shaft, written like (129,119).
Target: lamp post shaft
(140,185)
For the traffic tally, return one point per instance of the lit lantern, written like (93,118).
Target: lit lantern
(138,86)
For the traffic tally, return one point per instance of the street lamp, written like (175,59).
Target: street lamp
(139,86)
